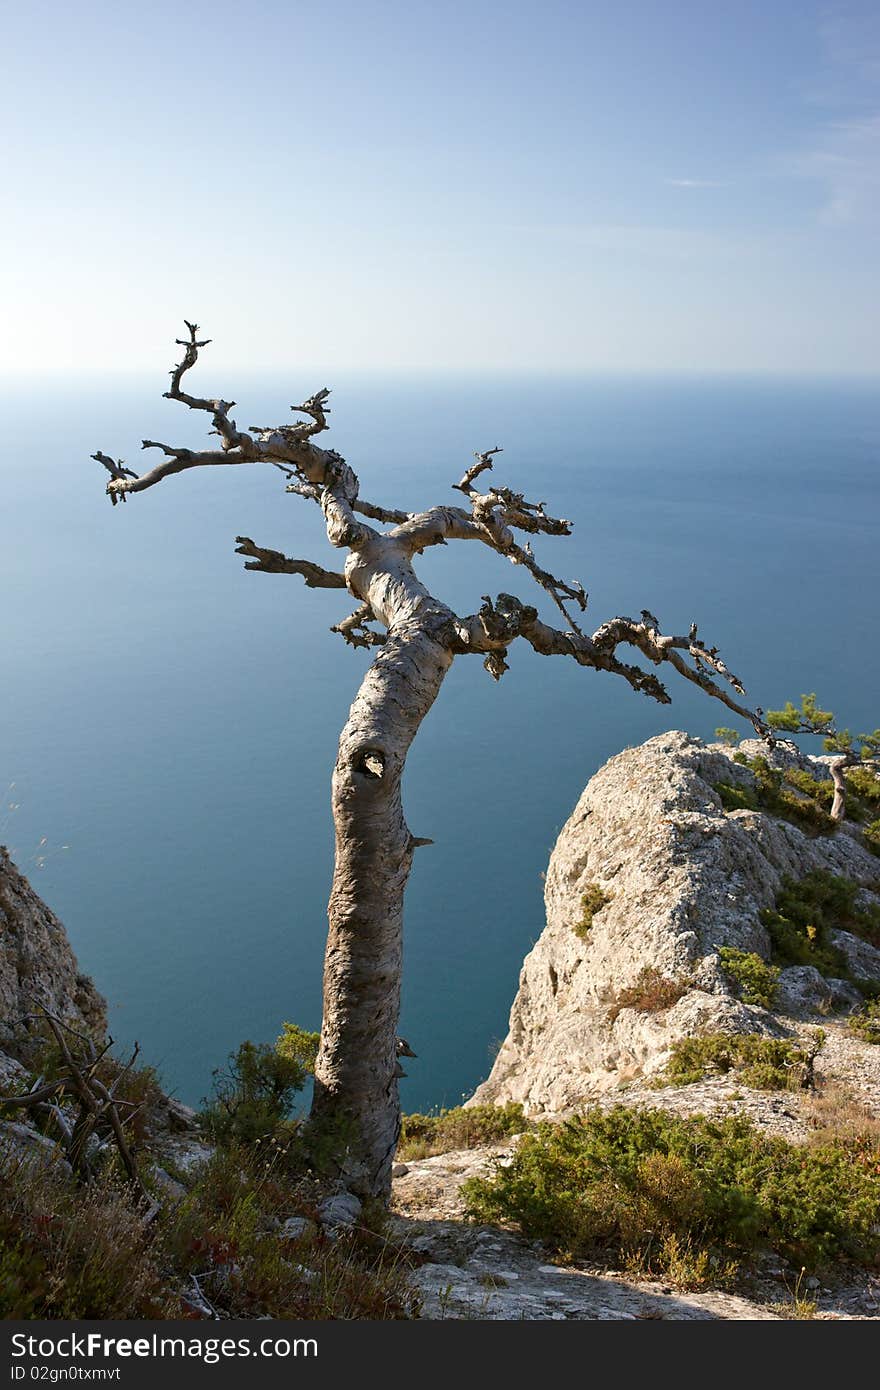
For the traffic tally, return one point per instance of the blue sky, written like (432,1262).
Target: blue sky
(647,185)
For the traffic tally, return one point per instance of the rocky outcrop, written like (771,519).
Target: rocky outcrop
(676,877)
(37,965)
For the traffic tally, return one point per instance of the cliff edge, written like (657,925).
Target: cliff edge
(652,874)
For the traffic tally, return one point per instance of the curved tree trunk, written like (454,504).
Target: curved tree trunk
(355,1112)
(355,1107)
(838,769)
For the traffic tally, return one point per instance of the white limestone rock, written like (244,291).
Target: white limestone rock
(683,878)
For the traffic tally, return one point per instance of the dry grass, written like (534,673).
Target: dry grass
(71,1251)
(834,1111)
(651,992)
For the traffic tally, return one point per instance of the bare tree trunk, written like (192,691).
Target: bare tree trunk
(838,805)
(838,769)
(356,1111)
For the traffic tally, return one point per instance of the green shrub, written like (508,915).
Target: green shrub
(695,1196)
(737,798)
(593,899)
(767,1064)
(791,794)
(227,1232)
(756,981)
(253,1098)
(460,1128)
(863,791)
(807,910)
(297,1045)
(866,1022)
(729,736)
(871,833)
(650,993)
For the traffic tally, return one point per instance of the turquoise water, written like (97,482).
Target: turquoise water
(173,719)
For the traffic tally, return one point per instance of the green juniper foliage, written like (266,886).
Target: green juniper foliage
(865,1024)
(686,1198)
(460,1128)
(756,981)
(593,899)
(807,910)
(253,1097)
(791,794)
(767,1064)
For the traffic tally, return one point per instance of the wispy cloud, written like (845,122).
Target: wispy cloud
(695,183)
(847,161)
(845,155)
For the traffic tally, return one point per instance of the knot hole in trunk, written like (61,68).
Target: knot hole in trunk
(370,762)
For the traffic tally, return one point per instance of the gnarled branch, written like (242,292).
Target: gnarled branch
(273,562)
(497,624)
(354,629)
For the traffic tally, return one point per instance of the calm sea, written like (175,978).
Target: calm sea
(172,720)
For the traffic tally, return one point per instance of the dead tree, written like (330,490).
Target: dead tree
(101,1114)
(356,1104)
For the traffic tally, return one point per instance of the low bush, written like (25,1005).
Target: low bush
(865,1024)
(226,1233)
(73,1251)
(253,1097)
(688,1199)
(791,794)
(756,981)
(593,899)
(650,993)
(807,910)
(730,737)
(767,1064)
(423,1135)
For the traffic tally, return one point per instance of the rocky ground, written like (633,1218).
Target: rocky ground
(474,1271)
(679,876)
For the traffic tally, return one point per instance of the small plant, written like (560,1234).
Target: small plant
(756,981)
(865,1024)
(800,1305)
(650,993)
(728,736)
(253,1097)
(737,798)
(461,1128)
(593,899)
(767,1064)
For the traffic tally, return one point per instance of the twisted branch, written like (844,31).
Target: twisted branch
(355,631)
(273,562)
(497,624)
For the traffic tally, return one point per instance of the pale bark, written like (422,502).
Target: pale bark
(356,1110)
(356,1076)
